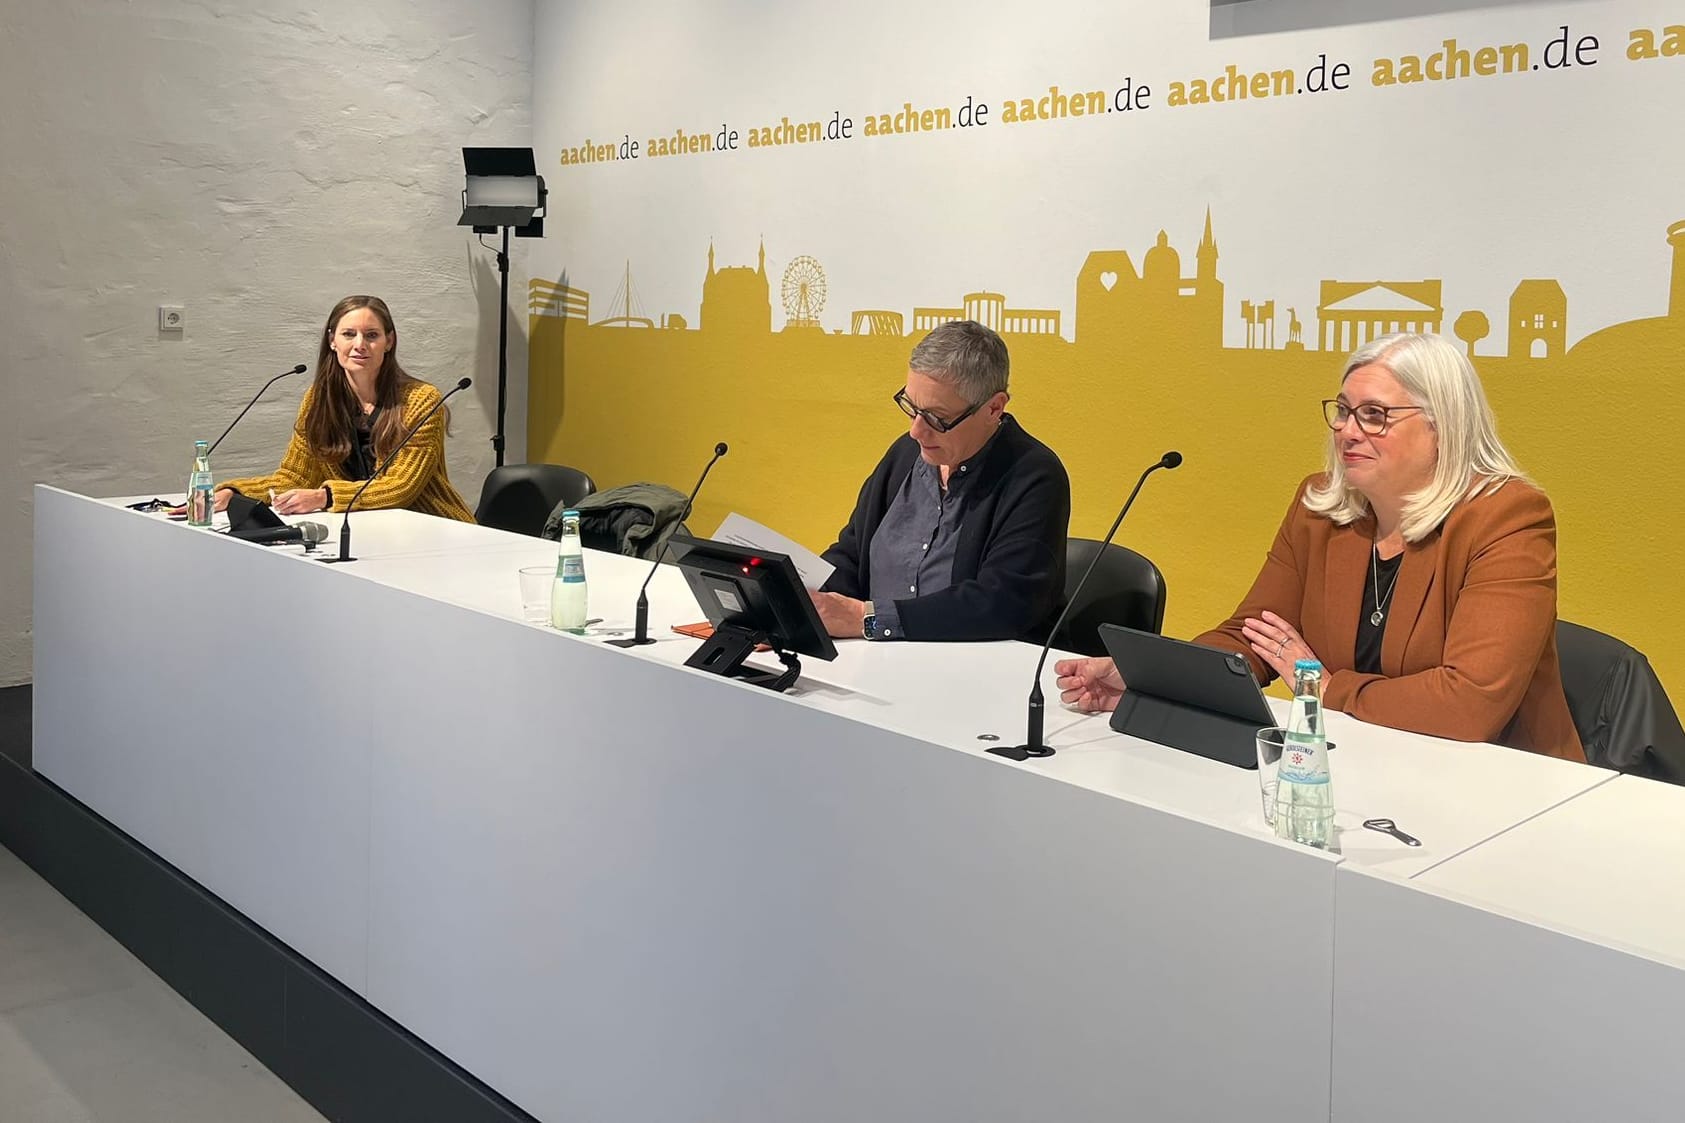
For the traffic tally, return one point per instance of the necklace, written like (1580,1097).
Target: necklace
(1380,614)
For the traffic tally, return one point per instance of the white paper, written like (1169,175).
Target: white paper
(740,531)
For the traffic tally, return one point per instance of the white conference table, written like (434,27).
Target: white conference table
(1540,976)
(613,887)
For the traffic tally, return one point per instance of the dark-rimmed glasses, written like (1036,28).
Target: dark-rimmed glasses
(1372,417)
(930,419)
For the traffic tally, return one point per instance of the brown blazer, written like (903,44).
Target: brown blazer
(1469,651)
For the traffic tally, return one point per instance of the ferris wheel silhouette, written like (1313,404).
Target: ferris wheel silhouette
(804,292)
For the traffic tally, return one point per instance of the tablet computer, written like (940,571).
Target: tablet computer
(1198,699)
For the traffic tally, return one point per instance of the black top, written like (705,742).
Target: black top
(1008,576)
(1368,654)
(912,553)
(360,464)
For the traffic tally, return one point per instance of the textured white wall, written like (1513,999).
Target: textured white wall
(254,166)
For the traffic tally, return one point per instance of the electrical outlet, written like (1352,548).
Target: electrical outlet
(171,317)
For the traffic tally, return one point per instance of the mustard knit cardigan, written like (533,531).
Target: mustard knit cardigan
(416,478)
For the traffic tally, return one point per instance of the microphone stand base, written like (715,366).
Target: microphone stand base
(335,559)
(633,642)
(1021,752)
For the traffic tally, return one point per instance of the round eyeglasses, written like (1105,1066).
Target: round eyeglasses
(1372,417)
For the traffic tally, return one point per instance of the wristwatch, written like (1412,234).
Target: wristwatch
(870,629)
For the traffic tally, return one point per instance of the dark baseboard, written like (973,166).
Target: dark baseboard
(351,1062)
(17,722)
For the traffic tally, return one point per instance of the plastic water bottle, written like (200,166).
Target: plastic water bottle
(1304,795)
(567,594)
(201,492)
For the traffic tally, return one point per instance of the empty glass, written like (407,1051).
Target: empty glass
(1270,742)
(535,593)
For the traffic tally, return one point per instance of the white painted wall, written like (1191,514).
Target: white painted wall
(254,163)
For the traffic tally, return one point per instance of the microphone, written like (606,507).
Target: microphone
(640,633)
(1033,745)
(299,369)
(345,522)
(307,533)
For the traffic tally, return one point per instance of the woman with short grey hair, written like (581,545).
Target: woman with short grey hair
(959,533)
(1419,567)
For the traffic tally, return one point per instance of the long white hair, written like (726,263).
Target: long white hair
(1472,460)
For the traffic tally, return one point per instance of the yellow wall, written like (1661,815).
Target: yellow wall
(1166,254)
(808,413)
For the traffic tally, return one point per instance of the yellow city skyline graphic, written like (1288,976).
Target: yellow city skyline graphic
(1111,294)
(802,391)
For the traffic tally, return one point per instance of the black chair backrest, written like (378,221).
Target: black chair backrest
(1623,715)
(520,497)
(1126,589)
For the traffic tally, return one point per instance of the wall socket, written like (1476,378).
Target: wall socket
(171,317)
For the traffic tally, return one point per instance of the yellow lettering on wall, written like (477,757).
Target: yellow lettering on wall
(1641,43)
(1382,74)
(1178,94)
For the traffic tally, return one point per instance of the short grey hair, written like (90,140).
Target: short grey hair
(1472,460)
(967,355)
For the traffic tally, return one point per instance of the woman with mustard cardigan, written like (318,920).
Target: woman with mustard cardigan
(352,417)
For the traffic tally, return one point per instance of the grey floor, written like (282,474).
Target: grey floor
(89,1035)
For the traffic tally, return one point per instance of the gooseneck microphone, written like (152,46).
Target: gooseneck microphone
(640,632)
(345,522)
(1033,745)
(299,369)
(306,533)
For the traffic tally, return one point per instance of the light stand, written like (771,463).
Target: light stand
(504,192)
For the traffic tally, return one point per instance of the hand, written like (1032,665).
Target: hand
(301,501)
(219,497)
(843,617)
(1277,643)
(1090,685)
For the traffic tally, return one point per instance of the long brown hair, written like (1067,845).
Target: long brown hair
(330,428)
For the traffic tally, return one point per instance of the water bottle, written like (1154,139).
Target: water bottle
(1304,796)
(201,493)
(567,594)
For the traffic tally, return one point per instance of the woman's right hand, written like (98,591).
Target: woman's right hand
(222,496)
(1090,685)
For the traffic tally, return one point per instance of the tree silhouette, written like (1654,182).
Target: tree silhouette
(1471,327)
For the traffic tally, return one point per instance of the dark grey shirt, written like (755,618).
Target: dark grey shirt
(912,552)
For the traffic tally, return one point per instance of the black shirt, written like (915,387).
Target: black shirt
(1369,635)
(1008,575)
(360,464)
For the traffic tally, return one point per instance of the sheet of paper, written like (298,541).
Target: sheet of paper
(740,531)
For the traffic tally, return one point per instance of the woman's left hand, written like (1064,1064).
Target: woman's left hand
(1277,643)
(302,501)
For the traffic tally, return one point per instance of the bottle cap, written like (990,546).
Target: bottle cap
(1308,665)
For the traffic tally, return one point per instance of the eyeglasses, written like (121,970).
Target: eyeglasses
(1372,417)
(930,419)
